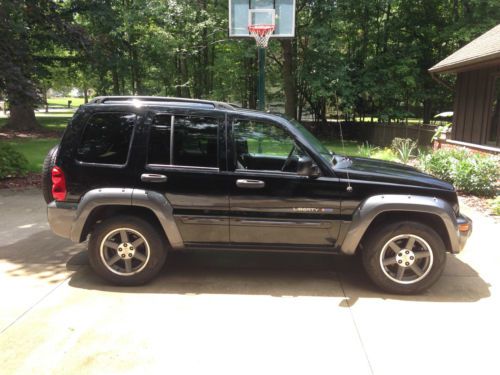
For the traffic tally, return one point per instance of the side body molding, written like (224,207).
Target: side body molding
(151,200)
(370,208)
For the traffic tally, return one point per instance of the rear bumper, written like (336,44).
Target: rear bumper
(61,216)
(463,235)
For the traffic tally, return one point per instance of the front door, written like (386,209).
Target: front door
(185,155)
(270,203)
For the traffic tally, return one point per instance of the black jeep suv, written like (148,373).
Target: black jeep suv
(143,176)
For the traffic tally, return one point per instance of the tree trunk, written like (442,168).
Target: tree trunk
(116,81)
(22,118)
(186,93)
(45,101)
(289,79)
(178,90)
(251,69)
(138,75)
(427,111)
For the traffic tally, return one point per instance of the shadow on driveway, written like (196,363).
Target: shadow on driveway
(44,255)
(279,275)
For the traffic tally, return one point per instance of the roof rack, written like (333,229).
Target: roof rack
(158,99)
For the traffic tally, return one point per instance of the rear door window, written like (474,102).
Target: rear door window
(106,138)
(194,141)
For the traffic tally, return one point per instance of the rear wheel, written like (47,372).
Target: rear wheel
(126,250)
(404,258)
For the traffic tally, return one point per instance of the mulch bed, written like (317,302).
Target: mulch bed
(9,134)
(479,204)
(31,180)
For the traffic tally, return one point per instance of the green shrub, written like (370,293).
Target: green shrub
(495,205)
(385,154)
(441,129)
(470,173)
(404,148)
(12,163)
(366,150)
(441,163)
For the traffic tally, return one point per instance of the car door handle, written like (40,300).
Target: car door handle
(250,184)
(152,177)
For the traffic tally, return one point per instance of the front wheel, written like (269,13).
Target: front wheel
(126,250)
(404,258)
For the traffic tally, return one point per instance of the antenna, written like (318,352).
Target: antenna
(349,187)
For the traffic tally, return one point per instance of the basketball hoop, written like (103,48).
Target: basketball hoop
(261,34)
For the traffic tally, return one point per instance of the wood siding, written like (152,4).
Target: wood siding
(473,105)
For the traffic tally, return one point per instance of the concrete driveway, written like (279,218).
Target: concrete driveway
(237,313)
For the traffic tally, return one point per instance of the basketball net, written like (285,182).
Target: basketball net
(261,34)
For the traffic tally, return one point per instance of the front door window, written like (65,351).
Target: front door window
(263,146)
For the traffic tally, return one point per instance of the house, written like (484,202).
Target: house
(476,120)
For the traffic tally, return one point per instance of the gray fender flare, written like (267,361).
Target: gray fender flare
(151,200)
(370,208)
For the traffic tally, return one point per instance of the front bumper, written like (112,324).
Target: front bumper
(60,216)
(464,230)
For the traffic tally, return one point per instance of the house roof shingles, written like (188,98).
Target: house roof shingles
(483,49)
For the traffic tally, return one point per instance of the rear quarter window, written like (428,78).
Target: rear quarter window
(106,138)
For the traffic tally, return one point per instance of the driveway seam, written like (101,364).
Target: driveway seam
(355,325)
(34,305)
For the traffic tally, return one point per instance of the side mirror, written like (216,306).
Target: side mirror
(306,167)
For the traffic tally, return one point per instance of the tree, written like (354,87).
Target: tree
(30,31)
(353,58)
(16,66)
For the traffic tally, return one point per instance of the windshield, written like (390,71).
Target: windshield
(315,142)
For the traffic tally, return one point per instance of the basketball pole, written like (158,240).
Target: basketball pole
(261,84)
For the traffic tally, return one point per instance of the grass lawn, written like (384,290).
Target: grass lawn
(33,149)
(49,121)
(350,148)
(63,102)
(36,149)
(54,122)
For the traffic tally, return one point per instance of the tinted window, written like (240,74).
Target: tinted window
(106,138)
(195,141)
(263,139)
(159,140)
(263,146)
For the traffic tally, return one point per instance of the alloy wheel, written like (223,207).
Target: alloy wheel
(406,259)
(124,251)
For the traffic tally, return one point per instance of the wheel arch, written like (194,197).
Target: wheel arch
(390,208)
(101,213)
(99,204)
(389,217)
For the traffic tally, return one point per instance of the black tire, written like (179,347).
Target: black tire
(390,260)
(139,273)
(48,164)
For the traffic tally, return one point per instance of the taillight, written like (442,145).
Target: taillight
(58,184)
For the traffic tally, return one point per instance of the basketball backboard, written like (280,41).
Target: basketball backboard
(243,13)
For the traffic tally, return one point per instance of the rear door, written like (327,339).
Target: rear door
(102,156)
(186,152)
(270,203)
